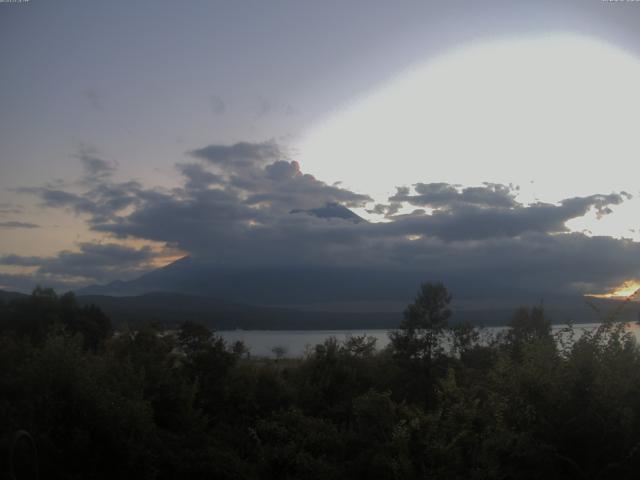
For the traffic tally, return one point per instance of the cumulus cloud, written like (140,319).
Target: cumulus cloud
(197,177)
(444,195)
(490,211)
(242,218)
(240,155)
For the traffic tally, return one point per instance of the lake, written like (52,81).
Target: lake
(296,342)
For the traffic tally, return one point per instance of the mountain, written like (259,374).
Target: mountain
(332,210)
(274,286)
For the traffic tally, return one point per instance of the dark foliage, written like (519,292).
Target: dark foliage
(35,316)
(439,402)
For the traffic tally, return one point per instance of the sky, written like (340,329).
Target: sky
(475,139)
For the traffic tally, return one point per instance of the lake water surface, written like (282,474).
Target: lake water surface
(296,342)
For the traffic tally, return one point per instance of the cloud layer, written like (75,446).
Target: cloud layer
(92,262)
(249,205)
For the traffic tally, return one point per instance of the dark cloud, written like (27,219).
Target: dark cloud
(198,177)
(472,221)
(54,198)
(101,202)
(98,261)
(439,195)
(240,155)
(57,198)
(245,212)
(249,206)
(20,261)
(386,210)
(533,264)
(488,211)
(282,186)
(93,262)
(16,224)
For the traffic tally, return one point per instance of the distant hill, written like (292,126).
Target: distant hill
(8,296)
(254,298)
(173,308)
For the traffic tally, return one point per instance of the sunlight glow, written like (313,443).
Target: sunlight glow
(556,115)
(629,289)
(164,260)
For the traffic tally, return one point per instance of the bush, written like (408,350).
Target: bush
(438,403)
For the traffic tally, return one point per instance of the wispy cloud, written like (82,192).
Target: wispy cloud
(17,224)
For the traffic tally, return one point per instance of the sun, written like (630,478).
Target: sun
(556,115)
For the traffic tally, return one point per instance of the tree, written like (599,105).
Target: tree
(424,321)
(87,320)
(279,351)
(34,317)
(464,337)
(207,361)
(240,349)
(527,326)
(194,337)
(360,346)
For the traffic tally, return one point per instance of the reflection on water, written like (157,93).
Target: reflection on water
(296,342)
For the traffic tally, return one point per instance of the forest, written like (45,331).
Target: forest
(79,399)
